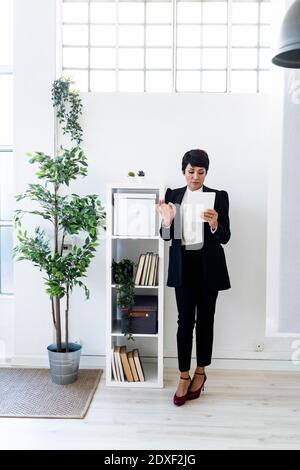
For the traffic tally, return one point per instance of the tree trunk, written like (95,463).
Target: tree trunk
(58,324)
(67,321)
(57,299)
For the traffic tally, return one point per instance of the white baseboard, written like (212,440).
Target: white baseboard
(244,363)
(241,364)
(87,362)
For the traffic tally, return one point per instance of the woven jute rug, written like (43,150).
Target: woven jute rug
(29,393)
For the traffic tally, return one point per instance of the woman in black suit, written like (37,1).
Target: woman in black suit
(197,267)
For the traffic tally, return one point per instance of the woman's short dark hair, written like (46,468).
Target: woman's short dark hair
(195,157)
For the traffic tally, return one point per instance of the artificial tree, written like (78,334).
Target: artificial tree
(68,214)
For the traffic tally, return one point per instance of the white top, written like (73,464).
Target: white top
(191,222)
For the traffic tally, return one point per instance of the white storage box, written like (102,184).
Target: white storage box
(134,214)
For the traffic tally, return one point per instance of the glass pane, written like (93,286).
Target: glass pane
(131,35)
(188,36)
(103,35)
(75,57)
(265,85)
(131,12)
(188,81)
(265,12)
(104,12)
(131,81)
(75,35)
(189,58)
(244,82)
(215,12)
(131,58)
(80,77)
(103,80)
(265,56)
(244,58)
(244,12)
(244,35)
(214,58)
(158,58)
(159,12)
(6,32)
(102,57)
(158,81)
(6,110)
(6,186)
(265,36)
(214,81)
(214,35)
(6,260)
(159,35)
(189,12)
(75,12)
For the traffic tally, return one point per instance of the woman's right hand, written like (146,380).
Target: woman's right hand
(167,211)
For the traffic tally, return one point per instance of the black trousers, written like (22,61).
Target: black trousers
(196,305)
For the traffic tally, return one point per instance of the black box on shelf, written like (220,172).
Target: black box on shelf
(143,315)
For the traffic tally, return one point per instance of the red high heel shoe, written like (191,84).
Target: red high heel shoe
(178,401)
(196,393)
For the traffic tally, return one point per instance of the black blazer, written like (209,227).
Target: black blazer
(215,271)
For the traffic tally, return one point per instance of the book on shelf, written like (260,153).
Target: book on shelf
(126,365)
(118,364)
(146,272)
(152,270)
(151,256)
(115,356)
(113,366)
(132,366)
(139,269)
(155,280)
(143,280)
(138,365)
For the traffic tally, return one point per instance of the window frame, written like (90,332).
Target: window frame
(5,70)
(173,47)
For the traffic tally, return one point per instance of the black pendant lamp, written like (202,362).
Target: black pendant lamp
(288,54)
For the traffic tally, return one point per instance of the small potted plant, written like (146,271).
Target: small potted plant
(122,273)
(141,176)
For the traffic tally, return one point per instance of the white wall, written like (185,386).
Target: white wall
(6,328)
(34,71)
(149,132)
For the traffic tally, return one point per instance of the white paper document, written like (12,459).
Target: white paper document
(193,224)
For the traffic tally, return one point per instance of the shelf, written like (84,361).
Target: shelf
(123,237)
(140,287)
(140,185)
(116,331)
(150,371)
(150,346)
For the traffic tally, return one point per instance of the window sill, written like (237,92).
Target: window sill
(6,296)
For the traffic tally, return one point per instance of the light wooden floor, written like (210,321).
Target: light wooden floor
(238,410)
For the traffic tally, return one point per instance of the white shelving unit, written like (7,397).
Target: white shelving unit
(150,346)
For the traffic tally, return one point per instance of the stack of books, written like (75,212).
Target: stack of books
(147,270)
(126,366)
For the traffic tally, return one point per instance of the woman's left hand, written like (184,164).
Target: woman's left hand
(210,216)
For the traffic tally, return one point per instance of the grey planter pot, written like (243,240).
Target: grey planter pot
(64,366)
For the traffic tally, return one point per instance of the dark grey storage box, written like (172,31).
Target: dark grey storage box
(143,315)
